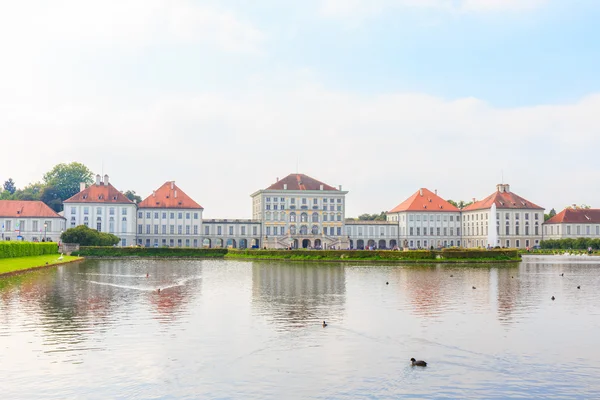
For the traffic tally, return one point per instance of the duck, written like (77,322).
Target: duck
(553,298)
(324,324)
(419,363)
(451,276)
(147,275)
(563,274)
(578,286)
(474,287)
(158,290)
(387,283)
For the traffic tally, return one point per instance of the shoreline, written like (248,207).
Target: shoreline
(30,269)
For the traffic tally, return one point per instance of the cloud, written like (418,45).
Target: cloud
(382,148)
(125,24)
(365,8)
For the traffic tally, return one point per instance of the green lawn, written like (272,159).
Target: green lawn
(20,263)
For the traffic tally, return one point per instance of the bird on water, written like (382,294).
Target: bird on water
(474,287)
(324,324)
(563,274)
(418,363)
(387,283)
(552,298)
(578,286)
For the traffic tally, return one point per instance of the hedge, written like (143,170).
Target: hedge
(93,251)
(10,249)
(567,244)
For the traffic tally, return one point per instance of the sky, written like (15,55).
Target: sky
(381,96)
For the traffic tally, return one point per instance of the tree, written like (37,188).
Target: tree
(382,216)
(51,197)
(551,214)
(9,186)
(85,236)
(131,195)
(460,204)
(65,178)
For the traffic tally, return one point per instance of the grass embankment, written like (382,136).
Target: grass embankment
(149,252)
(18,264)
(416,256)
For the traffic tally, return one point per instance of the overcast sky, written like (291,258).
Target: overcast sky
(380,96)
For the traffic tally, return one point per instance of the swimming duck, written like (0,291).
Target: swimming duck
(147,275)
(419,363)
(158,290)
(578,287)
(474,287)
(563,274)
(451,276)
(387,283)
(552,297)
(324,324)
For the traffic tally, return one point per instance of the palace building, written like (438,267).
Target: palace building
(573,222)
(31,221)
(301,212)
(502,219)
(426,220)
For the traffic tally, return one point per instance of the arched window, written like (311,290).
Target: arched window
(293,217)
(268,216)
(303,217)
(293,230)
(315,230)
(282,216)
(315,217)
(339,217)
(304,230)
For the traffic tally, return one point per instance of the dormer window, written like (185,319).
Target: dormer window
(114,197)
(167,196)
(85,196)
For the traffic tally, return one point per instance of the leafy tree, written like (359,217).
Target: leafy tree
(131,195)
(51,197)
(373,217)
(460,204)
(65,178)
(85,236)
(551,214)
(9,186)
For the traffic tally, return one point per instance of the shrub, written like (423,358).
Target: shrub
(85,236)
(24,249)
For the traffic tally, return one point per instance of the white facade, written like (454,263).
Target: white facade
(172,227)
(309,218)
(372,234)
(518,222)
(573,223)
(102,207)
(421,230)
(231,233)
(23,224)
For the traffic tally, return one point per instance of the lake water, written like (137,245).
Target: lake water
(252,330)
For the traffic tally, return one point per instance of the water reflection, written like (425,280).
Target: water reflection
(298,294)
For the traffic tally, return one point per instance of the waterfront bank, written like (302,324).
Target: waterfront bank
(18,265)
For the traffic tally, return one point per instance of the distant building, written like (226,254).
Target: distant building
(573,223)
(518,221)
(102,207)
(426,220)
(31,221)
(301,212)
(169,217)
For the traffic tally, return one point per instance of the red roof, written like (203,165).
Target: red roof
(169,196)
(26,209)
(424,200)
(503,200)
(300,182)
(576,216)
(100,193)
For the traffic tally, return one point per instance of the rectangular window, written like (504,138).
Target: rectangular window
(179,242)
(418,231)
(411,217)
(164,229)
(303,201)
(293,201)
(147,215)
(339,231)
(452,218)
(172,229)
(445,231)
(526,216)
(411,231)
(451,231)
(268,199)
(172,215)
(124,212)
(195,229)
(274,206)
(325,230)
(140,214)
(438,231)
(35,225)
(458,232)
(268,230)
(171,242)
(207,230)
(73,211)
(187,229)
(156,229)
(147,229)
(231,230)
(195,242)
(180,215)
(180,229)
(254,230)
(219,230)
(187,242)
(517,230)
(86,210)
(243,230)
(156,215)
(187,215)
(164,216)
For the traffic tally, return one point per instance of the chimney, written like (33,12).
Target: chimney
(320,187)
(474,200)
(421,192)
(106,180)
(176,194)
(97,179)
(436,192)
(154,193)
(172,185)
(340,186)
(81,186)
(285,186)
(277,179)
(503,187)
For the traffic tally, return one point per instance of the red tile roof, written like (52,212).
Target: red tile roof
(169,195)
(26,209)
(424,200)
(576,216)
(99,194)
(300,182)
(503,200)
